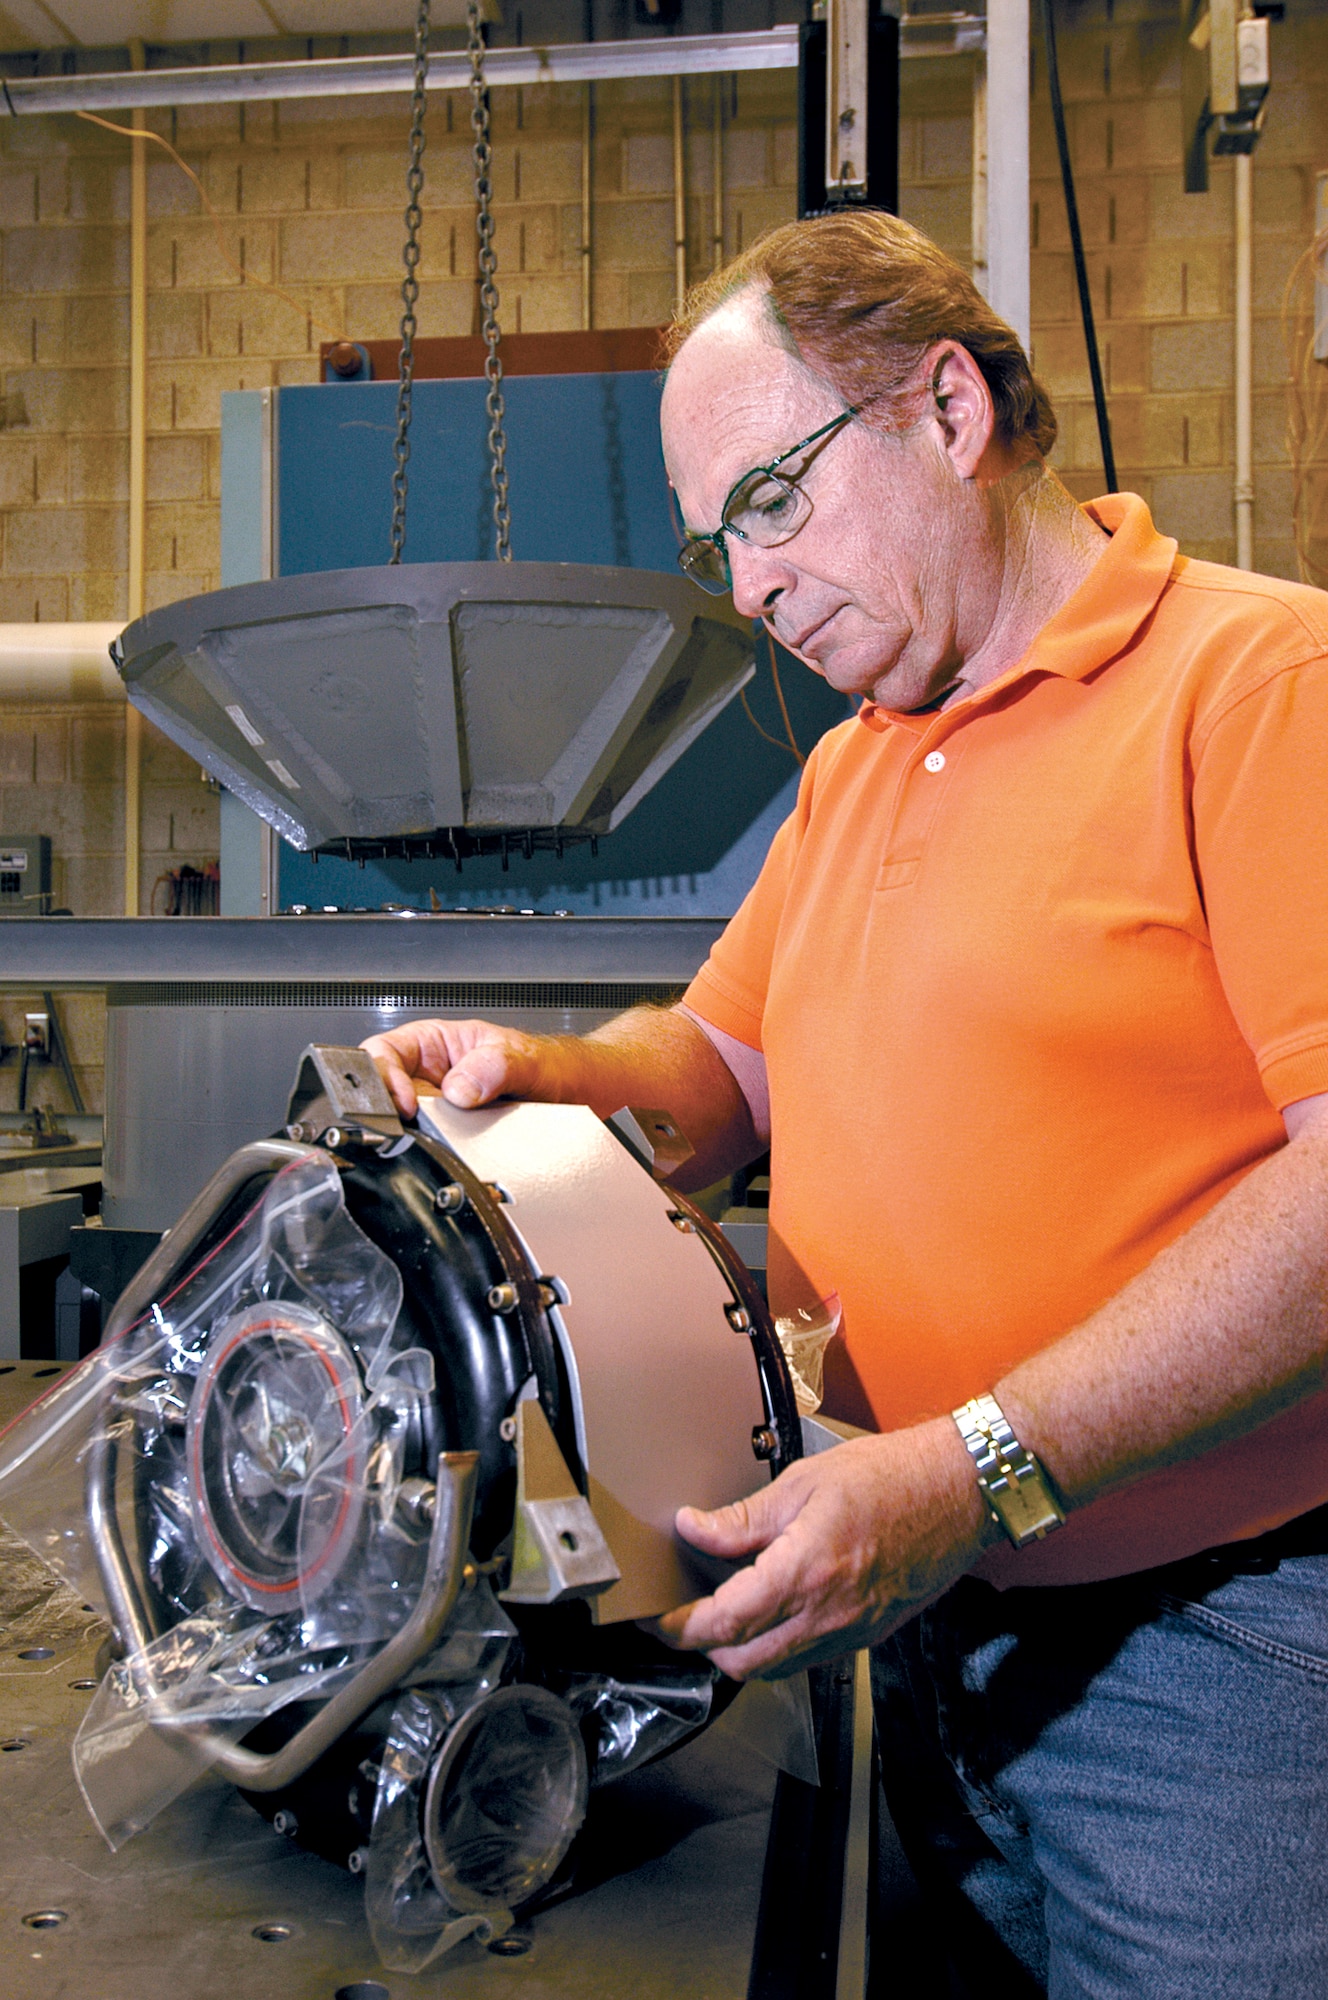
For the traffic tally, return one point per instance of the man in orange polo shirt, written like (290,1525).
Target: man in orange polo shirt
(1031,1003)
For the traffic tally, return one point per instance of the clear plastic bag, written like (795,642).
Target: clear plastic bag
(251,1432)
(480,1794)
(632,1722)
(804,1336)
(410,1922)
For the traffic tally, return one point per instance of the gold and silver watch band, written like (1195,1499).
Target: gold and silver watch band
(1016,1489)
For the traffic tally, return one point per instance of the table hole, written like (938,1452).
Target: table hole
(37,1653)
(14,1743)
(363,1989)
(514,1945)
(272,1933)
(84,1687)
(569,1541)
(46,1920)
(38,1373)
(8,1368)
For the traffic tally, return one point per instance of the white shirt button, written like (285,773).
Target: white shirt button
(934,761)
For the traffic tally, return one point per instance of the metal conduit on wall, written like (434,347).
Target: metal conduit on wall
(138,481)
(679,199)
(1244,369)
(350,76)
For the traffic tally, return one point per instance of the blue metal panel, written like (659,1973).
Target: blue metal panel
(587,473)
(587,485)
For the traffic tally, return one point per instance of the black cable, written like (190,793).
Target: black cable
(1077,245)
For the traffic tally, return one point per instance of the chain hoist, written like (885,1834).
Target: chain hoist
(410,284)
(488,265)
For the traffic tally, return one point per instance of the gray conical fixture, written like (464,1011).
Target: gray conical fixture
(371,704)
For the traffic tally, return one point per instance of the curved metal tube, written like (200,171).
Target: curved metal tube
(179,1240)
(124,1600)
(449,1541)
(444,1575)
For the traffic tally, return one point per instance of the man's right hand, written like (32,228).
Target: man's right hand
(649,1055)
(473,1062)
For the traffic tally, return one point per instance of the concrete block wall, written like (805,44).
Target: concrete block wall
(61,773)
(1161,270)
(310,196)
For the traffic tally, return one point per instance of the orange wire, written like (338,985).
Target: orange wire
(245,277)
(783,705)
(778,741)
(788,741)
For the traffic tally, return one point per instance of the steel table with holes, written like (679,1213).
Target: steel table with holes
(211,1904)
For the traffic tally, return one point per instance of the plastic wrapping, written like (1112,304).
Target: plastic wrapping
(478,1801)
(255,1425)
(804,1336)
(630,1722)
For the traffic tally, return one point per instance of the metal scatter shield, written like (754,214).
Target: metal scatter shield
(493,698)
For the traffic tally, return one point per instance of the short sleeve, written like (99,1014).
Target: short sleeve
(729,991)
(1261,843)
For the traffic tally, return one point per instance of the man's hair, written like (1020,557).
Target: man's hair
(860,296)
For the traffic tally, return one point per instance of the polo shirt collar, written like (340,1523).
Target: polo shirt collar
(1098,621)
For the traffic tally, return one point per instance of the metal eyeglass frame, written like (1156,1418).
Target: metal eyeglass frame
(693,554)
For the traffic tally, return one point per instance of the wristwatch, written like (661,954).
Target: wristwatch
(1016,1489)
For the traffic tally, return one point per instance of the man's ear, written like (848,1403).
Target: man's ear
(963,406)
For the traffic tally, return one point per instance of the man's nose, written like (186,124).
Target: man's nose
(760,578)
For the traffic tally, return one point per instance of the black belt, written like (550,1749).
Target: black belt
(1306,1535)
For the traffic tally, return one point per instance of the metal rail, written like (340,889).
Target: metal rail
(60,952)
(353,76)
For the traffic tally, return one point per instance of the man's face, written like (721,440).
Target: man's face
(869,591)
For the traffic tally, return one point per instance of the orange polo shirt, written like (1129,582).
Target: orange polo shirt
(1033,977)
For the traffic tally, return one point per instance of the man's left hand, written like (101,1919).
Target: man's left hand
(848,1544)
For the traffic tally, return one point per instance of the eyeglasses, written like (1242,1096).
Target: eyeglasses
(761,509)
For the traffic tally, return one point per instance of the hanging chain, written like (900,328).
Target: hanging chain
(410,284)
(488,265)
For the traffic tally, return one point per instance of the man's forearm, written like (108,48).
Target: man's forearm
(658,1058)
(1224,1329)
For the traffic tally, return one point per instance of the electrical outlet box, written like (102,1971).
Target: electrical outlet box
(25,874)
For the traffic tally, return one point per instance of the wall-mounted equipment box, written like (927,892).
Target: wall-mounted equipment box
(25,874)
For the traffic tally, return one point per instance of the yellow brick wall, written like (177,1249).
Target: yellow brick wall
(311,195)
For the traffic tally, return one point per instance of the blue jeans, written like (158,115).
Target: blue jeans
(1120,1791)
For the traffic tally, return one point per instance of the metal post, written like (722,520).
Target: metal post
(717,177)
(846,101)
(1244,489)
(1007,163)
(981,276)
(679,200)
(587,189)
(138,483)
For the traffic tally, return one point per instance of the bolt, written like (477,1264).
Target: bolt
(683,1223)
(738,1318)
(449,1199)
(764,1442)
(507,1429)
(285,1822)
(296,1133)
(502,1298)
(333,1136)
(345,358)
(358,1860)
